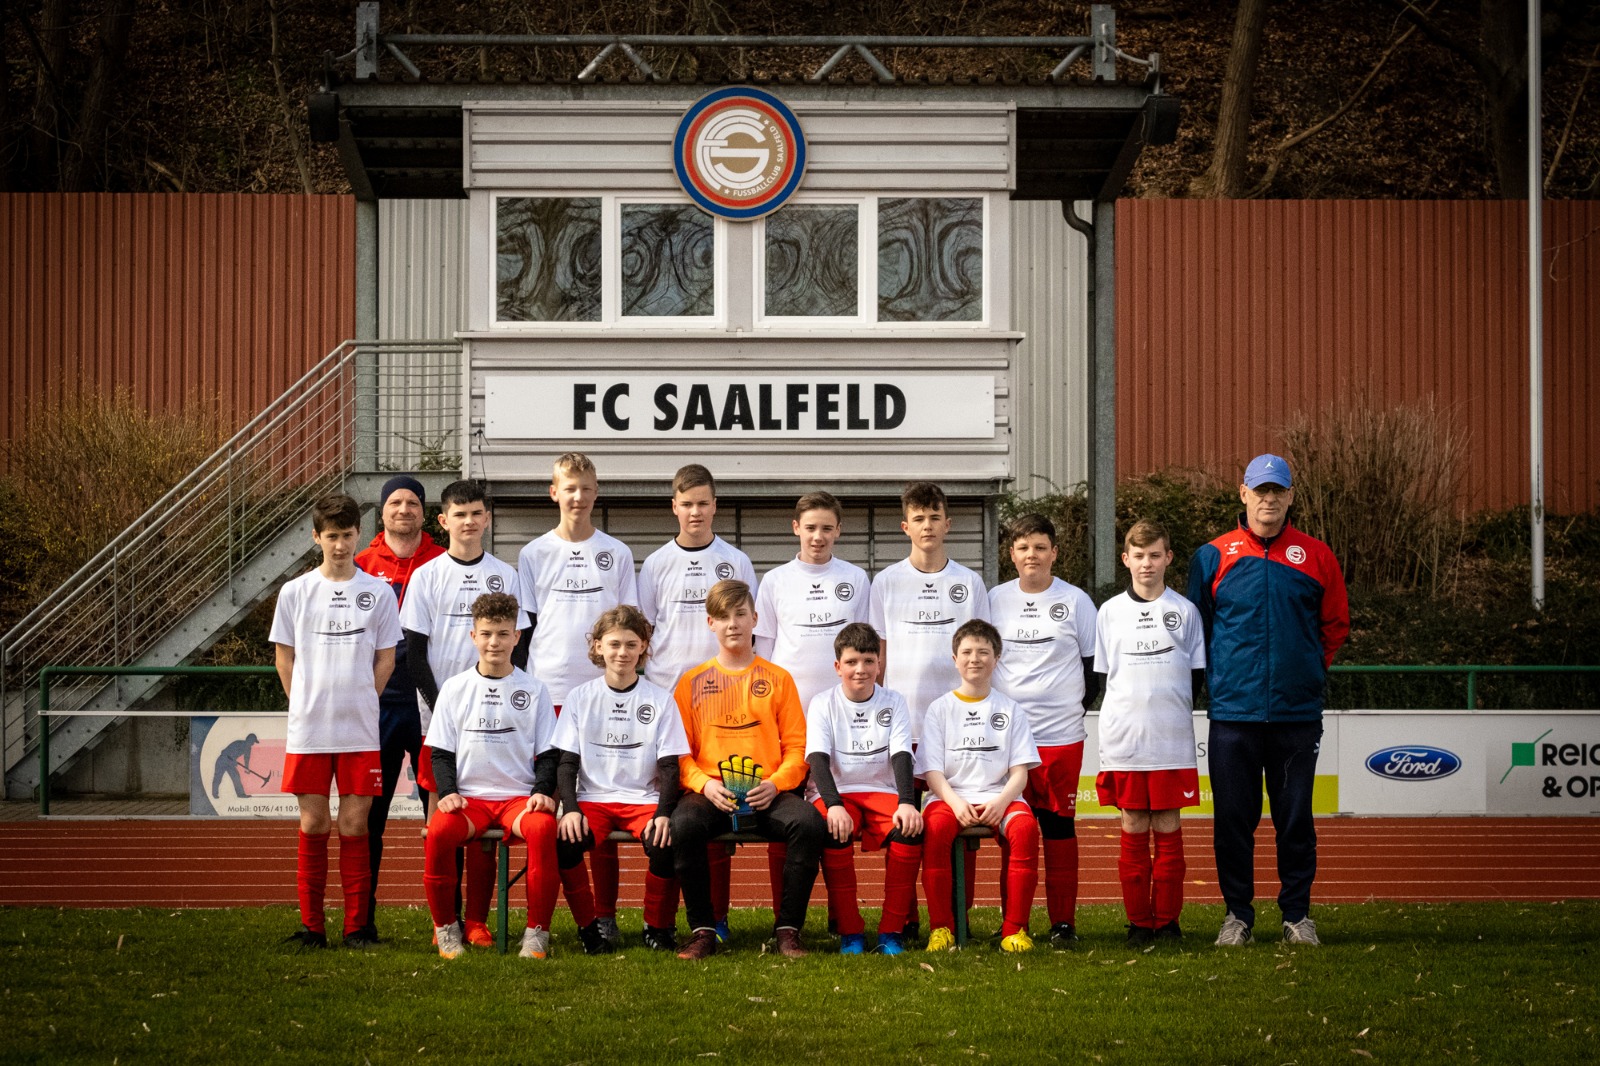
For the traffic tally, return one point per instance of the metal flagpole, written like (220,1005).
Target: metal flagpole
(1535,308)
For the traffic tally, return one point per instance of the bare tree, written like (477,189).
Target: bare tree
(1224,178)
(79,164)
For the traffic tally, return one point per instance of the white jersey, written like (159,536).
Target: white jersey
(335,629)
(859,739)
(975,744)
(569,585)
(1147,650)
(801,607)
(917,614)
(1047,636)
(618,737)
(672,594)
(497,727)
(438,605)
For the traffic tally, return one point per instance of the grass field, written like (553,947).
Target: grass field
(1393,983)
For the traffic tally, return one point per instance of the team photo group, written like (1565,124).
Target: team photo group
(575,704)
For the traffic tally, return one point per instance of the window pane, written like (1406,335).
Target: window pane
(668,260)
(930,259)
(812,258)
(547,259)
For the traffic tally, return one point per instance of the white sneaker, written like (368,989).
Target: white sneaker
(535,943)
(1234,933)
(1302,932)
(449,939)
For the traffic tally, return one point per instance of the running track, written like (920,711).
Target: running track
(211,863)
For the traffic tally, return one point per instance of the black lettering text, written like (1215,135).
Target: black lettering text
(668,418)
(797,403)
(764,400)
(853,418)
(888,407)
(608,407)
(827,406)
(697,414)
(582,405)
(736,410)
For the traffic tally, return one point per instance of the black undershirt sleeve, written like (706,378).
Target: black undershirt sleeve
(524,648)
(1199,682)
(444,771)
(669,784)
(1091,682)
(904,780)
(567,779)
(822,777)
(544,772)
(417,662)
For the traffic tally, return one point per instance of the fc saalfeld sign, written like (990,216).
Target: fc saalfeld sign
(739,153)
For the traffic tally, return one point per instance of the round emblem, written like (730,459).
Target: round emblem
(1296,554)
(365,600)
(603,560)
(958,593)
(724,571)
(646,713)
(999,720)
(739,153)
(844,591)
(1058,612)
(761,687)
(496,583)
(884,716)
(1170,619)
(521,700)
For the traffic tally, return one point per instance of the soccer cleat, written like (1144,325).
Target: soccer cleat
(609,930)
(942,939)
(890,944)
(912,931)
(1170,931)
(788,941)
(1234,933)
(361,939)
(1302,932)
(305,939)
(702,945)
(1063,935)
(1140,935)
(852,944)
(448,937)
(535,943)
(477,934)
(722,931)
(1018,941)
(660,939)
(593,941)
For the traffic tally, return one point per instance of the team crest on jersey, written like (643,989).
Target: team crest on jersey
(760,688)
(365,600)
(1058,612)
(844,591)
(1296,554)
(724,570)
(958,593)
(999,720)
(521,700)
(884,716)
(496,583)
(1170,619)
(603,560)
(646,713)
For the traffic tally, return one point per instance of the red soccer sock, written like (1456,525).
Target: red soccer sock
(311,877)
(355,877)
(660,901)
(938,834)
(542,877)
(1019,847)
(969,869)
(1133,869)
(606,869)
(839,874)
(1166,878)
(480,867)
(899,887)
(777,855)
(1061,880)
(580,896)
(446,833)
(720,864)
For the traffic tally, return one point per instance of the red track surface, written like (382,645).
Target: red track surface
(179,863)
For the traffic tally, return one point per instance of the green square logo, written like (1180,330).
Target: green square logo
(1522,754)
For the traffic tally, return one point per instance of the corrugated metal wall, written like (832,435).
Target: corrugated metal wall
(1231,315)
(219,299)
(422,268)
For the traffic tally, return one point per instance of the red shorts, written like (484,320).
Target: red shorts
(873,813)
(1148,790)
(425,769)
(357,773)
(484,814)
(628,817)
(1053,784)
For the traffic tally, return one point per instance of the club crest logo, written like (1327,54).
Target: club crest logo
(1171,620)
(604,560)
(646,713)
(885,716)
(1295,554)
(958,593)
(724,570)
(521,699)
(1058,612)
(496,583)
(844,591)
(760,688)
(739,153)
(365,600)
(999,720)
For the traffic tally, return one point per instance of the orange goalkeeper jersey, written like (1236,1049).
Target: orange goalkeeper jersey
(755,711)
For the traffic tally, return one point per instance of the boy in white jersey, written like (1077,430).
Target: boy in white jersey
(975,754)
(437,618)
(917,603)
(858,745)
(619,741)
(1150,644)
(1048,668)
(672,593)
(494,763)
(335,629)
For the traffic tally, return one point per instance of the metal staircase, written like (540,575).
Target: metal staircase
(223,539)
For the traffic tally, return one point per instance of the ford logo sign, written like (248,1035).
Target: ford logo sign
(1413,762)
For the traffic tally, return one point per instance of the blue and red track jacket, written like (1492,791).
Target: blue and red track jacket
(1275,612)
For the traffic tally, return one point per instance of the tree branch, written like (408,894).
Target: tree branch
(283,102)
(1431,30)
(1572,113)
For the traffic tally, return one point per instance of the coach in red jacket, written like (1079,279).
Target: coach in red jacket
(1273,603)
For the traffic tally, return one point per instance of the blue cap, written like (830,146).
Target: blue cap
(1268,469)
(401,481)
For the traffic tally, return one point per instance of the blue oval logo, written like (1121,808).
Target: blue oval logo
(1413,762)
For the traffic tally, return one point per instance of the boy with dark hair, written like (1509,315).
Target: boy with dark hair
(858,744)
(495,767)
(738,705)
(335,629)
(1048,629)
(975,755)
(1150,644)
(620,740)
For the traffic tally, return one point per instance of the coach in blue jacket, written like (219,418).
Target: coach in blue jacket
(1275,612)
